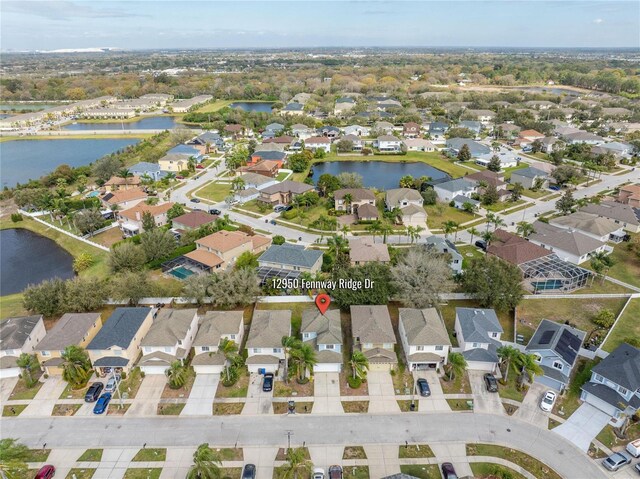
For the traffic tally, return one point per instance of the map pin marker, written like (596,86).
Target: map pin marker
(322,302)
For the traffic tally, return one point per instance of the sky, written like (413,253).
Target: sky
(52,24)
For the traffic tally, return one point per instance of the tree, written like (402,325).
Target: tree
(196,287)
(490,195)
(564,174)
(421,277)
(177,375)
(495,283)
(234,288)
(429,196)
(76,367)
(516,192)
(46,298)
(449,227)
(247,260)
(278,240)
(406,181)
(176,210)
(88,220)
(508,355)
(299,162)
(148,221)
(529,367)
(604,319)
(157,243)
(456,365)
(327,184)
(229,350)
(125,174)
(297,464)
(83,294)
(536,146)
(601,262)
(13,458)
(304,359)
(237,158)
(288,343)
(379,293)
(566,204)
(350,180)
(82,262)
(106,167)
(464,154)
(126,257)
(348,199)
(130,286)
(473,232)
(238,183)
(524,229)
(494,164)
(359,364)
(27,363)
(344,146)
(206,464)
(469,207)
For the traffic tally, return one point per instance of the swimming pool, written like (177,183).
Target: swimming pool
(547,285)
(93,194)
(181,272)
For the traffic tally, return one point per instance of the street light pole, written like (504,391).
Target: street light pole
(289,434)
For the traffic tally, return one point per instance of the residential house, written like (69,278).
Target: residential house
(72,329)
(569,245)
(254,180)
(616,113)
(285,140)
(183,106)
(460,201)
(116,347)
(357,142)
(289,257)
(483,116)
(192,220)
(601,229)
(267,168)
(388,143)
(215,326)
(324,333)
(526,137)
(358,197)
(186,150)
(302,131)
(373,334)
(618,149)
(283,193)
(556,347)
(451,189)
(329,131)
(207,142)
(221,249)
(488,178)
(418,144)
(424,338)
(293,109)
(548,143)
(267,155)
(356,130)
(318,143)
(444,246)
(626,215)
(410,203)
(614,387)
(130,221)
(116,183)
(474,126)
(383,127)
(454,145)
(174,163)
(301,98)
(540,104)
(235,130)
(123,199)
(438,130)
(583,137)
(18,335)
(168,340)
(530,178)
(629,195)
(270,146)
(264,343)
(478,332)
(367,212)
(343,105)
(274,128)
(383,103)
(507,158)
(507,130)
(145,169)
(411,130)
(363,250)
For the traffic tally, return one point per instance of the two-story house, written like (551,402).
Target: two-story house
(478,332)
(318,143)
(438,130)
(130,221)
(570,245)
(324,333)
(411,130)
(626,216)
(213,328)
(168,340)
(410,203)
(389,143)
(373,334)
(556,348)
(424,338)
(596,227)
(614,387)
(449,190)
(350,199)
(17,336)
(530,178)
(343,105)
(116,347)
(363,250)
(283,193)
(72,329)
(446,247)
(264,343)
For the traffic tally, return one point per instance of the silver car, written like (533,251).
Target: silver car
(112,383)
(616,461)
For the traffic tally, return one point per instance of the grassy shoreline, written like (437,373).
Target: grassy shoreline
(106,136)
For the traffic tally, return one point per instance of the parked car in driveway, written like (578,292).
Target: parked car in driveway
(638,468)
(93,393)
(46,472)
(616,461)
(249,471)
(548,400)
(267,382)
(335,472)
(423,387)
(112,383)
(633,448)
(318,473)
(491,383)
(448,472)
(481,244)
(102,403)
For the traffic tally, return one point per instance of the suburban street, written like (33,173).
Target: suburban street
(363,429)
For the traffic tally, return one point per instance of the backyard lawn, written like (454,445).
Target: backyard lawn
(11,305)
(628,326)
(213,106)
(626,266)
(215,191)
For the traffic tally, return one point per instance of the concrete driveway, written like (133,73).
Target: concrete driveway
(530,409)
(258,401)
(483,400)
(583,425)
(435,402)
(382,397)
(326,392)
(49,394)
(263,458)
(200,401)
(455,453)
(326,456)
(6,388)
(148,397)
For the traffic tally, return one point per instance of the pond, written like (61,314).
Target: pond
(22,160)
(148,123)
(29,258)
(382,175)
(259,106)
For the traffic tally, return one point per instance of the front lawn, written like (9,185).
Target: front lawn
(215,191)
(354,452)
(238,390)
(131,384)
(227,408)
(608,437)
(421,471)
(355,406)
(143,473)
(170,409)
(415,450)
(182,392)
(65,409)
(460,404)
(510,389)
(91,455)
(70,393)
(22,392)
(487,470)
(151,454)
(12,411)
(356,472)
(628,326)
(435,218)
(527,462)
(293,389)
(459,385)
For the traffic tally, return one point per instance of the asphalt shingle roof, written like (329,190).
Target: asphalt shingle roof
(120,328)
(15,331)
(293,255)
(69,330)
(622,367)
(372,324)
(424,327)
(477,323)
(215,324)
(326,326)
(169,326)
(268,328)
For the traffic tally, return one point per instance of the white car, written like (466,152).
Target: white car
(548,400)
(112,383)
(318,473)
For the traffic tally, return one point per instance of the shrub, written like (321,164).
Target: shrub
(15,217)
(291,214)
(82,262)
(231,377)
(354,383)
(278,240)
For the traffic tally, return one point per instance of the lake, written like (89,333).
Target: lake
(381,175)
(149,123)
(22,160)
(259,106)
(29,258)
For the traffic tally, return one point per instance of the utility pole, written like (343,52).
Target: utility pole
(289,434)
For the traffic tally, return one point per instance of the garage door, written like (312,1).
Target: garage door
(327,368)
(153,369)
(207,369)
(480,366)
(9,373)
(380,366)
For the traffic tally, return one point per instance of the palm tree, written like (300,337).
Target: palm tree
(601,262)
(473,232)
(456,365)
(524,229)
(497,222)
(126,174)
(337,245)
(206,464)
(344,230)
(386,230)
(529,367)
(304,358)
(348,199)
(27,362)
(177,375)
(13,458)
(297,463)
(288,343)
(229,350)
(507,355)
(490,219)
(76,367)
(374,228)
(359,364)
(488,237)
(448,227)
(237,183)
(416,232)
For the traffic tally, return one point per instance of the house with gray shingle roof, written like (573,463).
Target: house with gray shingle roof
(626,216)
(528,177)
(614,386)
(478,332)
(448,190)
(570,245)
(18,335)
(169,339)
(117,344)
(373,334)
(214,326)
(264,344)
(324,333)
(424,338)
(446,247)
(291,257)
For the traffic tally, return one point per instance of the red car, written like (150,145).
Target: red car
(200,167)
(46,472)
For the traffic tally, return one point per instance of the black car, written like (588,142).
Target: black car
(249,471)
(214,211)
(481,244)
(195,200)
(93,393)
(267,382)
(423,387)
(448,472)
(491,383)
(335,472)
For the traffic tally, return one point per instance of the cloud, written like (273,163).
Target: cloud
(598,21)
(63,10)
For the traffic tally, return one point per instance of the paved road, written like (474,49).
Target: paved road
(256,430)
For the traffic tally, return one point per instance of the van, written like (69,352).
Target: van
(633,448)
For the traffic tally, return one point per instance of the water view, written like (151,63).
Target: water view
(22,160)
(29,258)
(149,123)
(378,174)
(259,106)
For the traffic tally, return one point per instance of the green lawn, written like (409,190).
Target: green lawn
(626,266)
(486,470)
(503,205)
(78,473)
(12,411)
(150,454)
(435,219)
(510,390)
(421,471)
(215,191)
(468,253)
(415,450)
(282,176)
(527,462)
(356,472)
(609,438)
(91,455)
(627,327)
(213,106)
(143,473)
(11,305)
(535,194)
(170,409)
(256,207)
